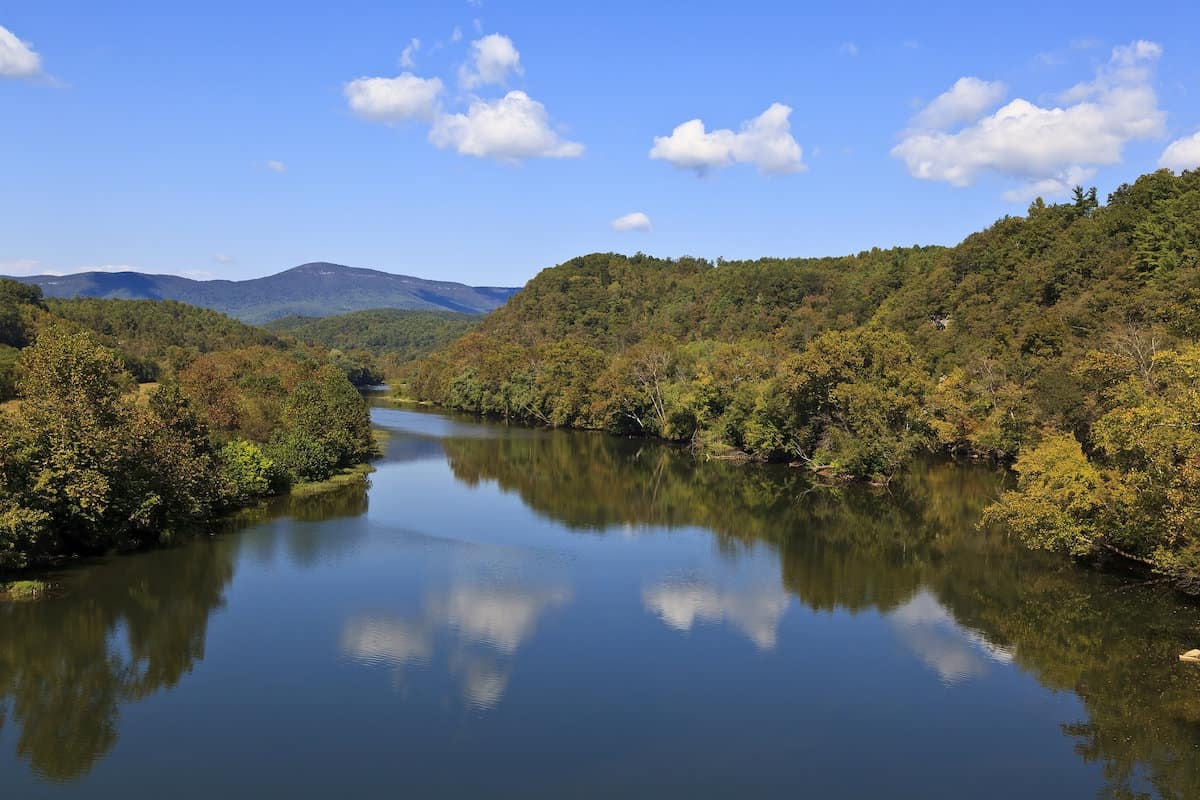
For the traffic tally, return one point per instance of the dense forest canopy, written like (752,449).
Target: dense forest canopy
(1063,339)
(90,461)
(392,337)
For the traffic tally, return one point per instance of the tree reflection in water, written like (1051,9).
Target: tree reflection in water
(122,631)
(117,632)
(965,601)
(961,597)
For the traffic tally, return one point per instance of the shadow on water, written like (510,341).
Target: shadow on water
(120,631)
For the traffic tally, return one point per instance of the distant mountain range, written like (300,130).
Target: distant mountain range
(312,290)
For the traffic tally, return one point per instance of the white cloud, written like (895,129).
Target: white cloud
(512,128)
(405,97)
(636,221)
(22,266)
(765,141)
(849,49)
(965,101)
(408,56)
(1047,148)
(29,266)
(1182,154)
(477,23)
(456,34)
(222,258)
(493,58)
(17,58)
(1056,186)
(109,268)
(277,166)
(1130,65)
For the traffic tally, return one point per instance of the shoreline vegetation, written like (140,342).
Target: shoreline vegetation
(1065,344)
(135,422)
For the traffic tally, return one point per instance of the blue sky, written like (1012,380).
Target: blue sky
(142,134)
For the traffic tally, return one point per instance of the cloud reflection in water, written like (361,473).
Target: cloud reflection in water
(486,622)
(954,652)
(754,610)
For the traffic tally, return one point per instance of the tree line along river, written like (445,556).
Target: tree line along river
(529,613)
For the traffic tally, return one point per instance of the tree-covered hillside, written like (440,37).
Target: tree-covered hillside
(91,462)
(392,336)
(1073,324)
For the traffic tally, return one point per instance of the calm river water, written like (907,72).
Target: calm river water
(504,612)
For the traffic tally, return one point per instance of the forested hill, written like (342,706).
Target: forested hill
(315,290)
(134,420)
(1064,339)
(392,336)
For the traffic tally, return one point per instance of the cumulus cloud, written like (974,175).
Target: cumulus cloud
(17,58)
(636,221)
(408,56)
(277,166)
(765,141)
(456,34)
(405,97)
(512,128)
(1182,154)
(1048,148)
(493,59)
(965,101)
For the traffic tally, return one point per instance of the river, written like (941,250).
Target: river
(507,612)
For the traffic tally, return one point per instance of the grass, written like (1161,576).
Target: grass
(22,590)
(402,400)
(142,393)
(381,437)
(347,476)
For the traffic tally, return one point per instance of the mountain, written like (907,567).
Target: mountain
(313,290)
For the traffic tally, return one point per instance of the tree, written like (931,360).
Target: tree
(326,414)
(84,468)
(247,472)
(75,433)
(858,399)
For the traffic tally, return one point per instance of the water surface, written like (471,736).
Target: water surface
(505,612)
